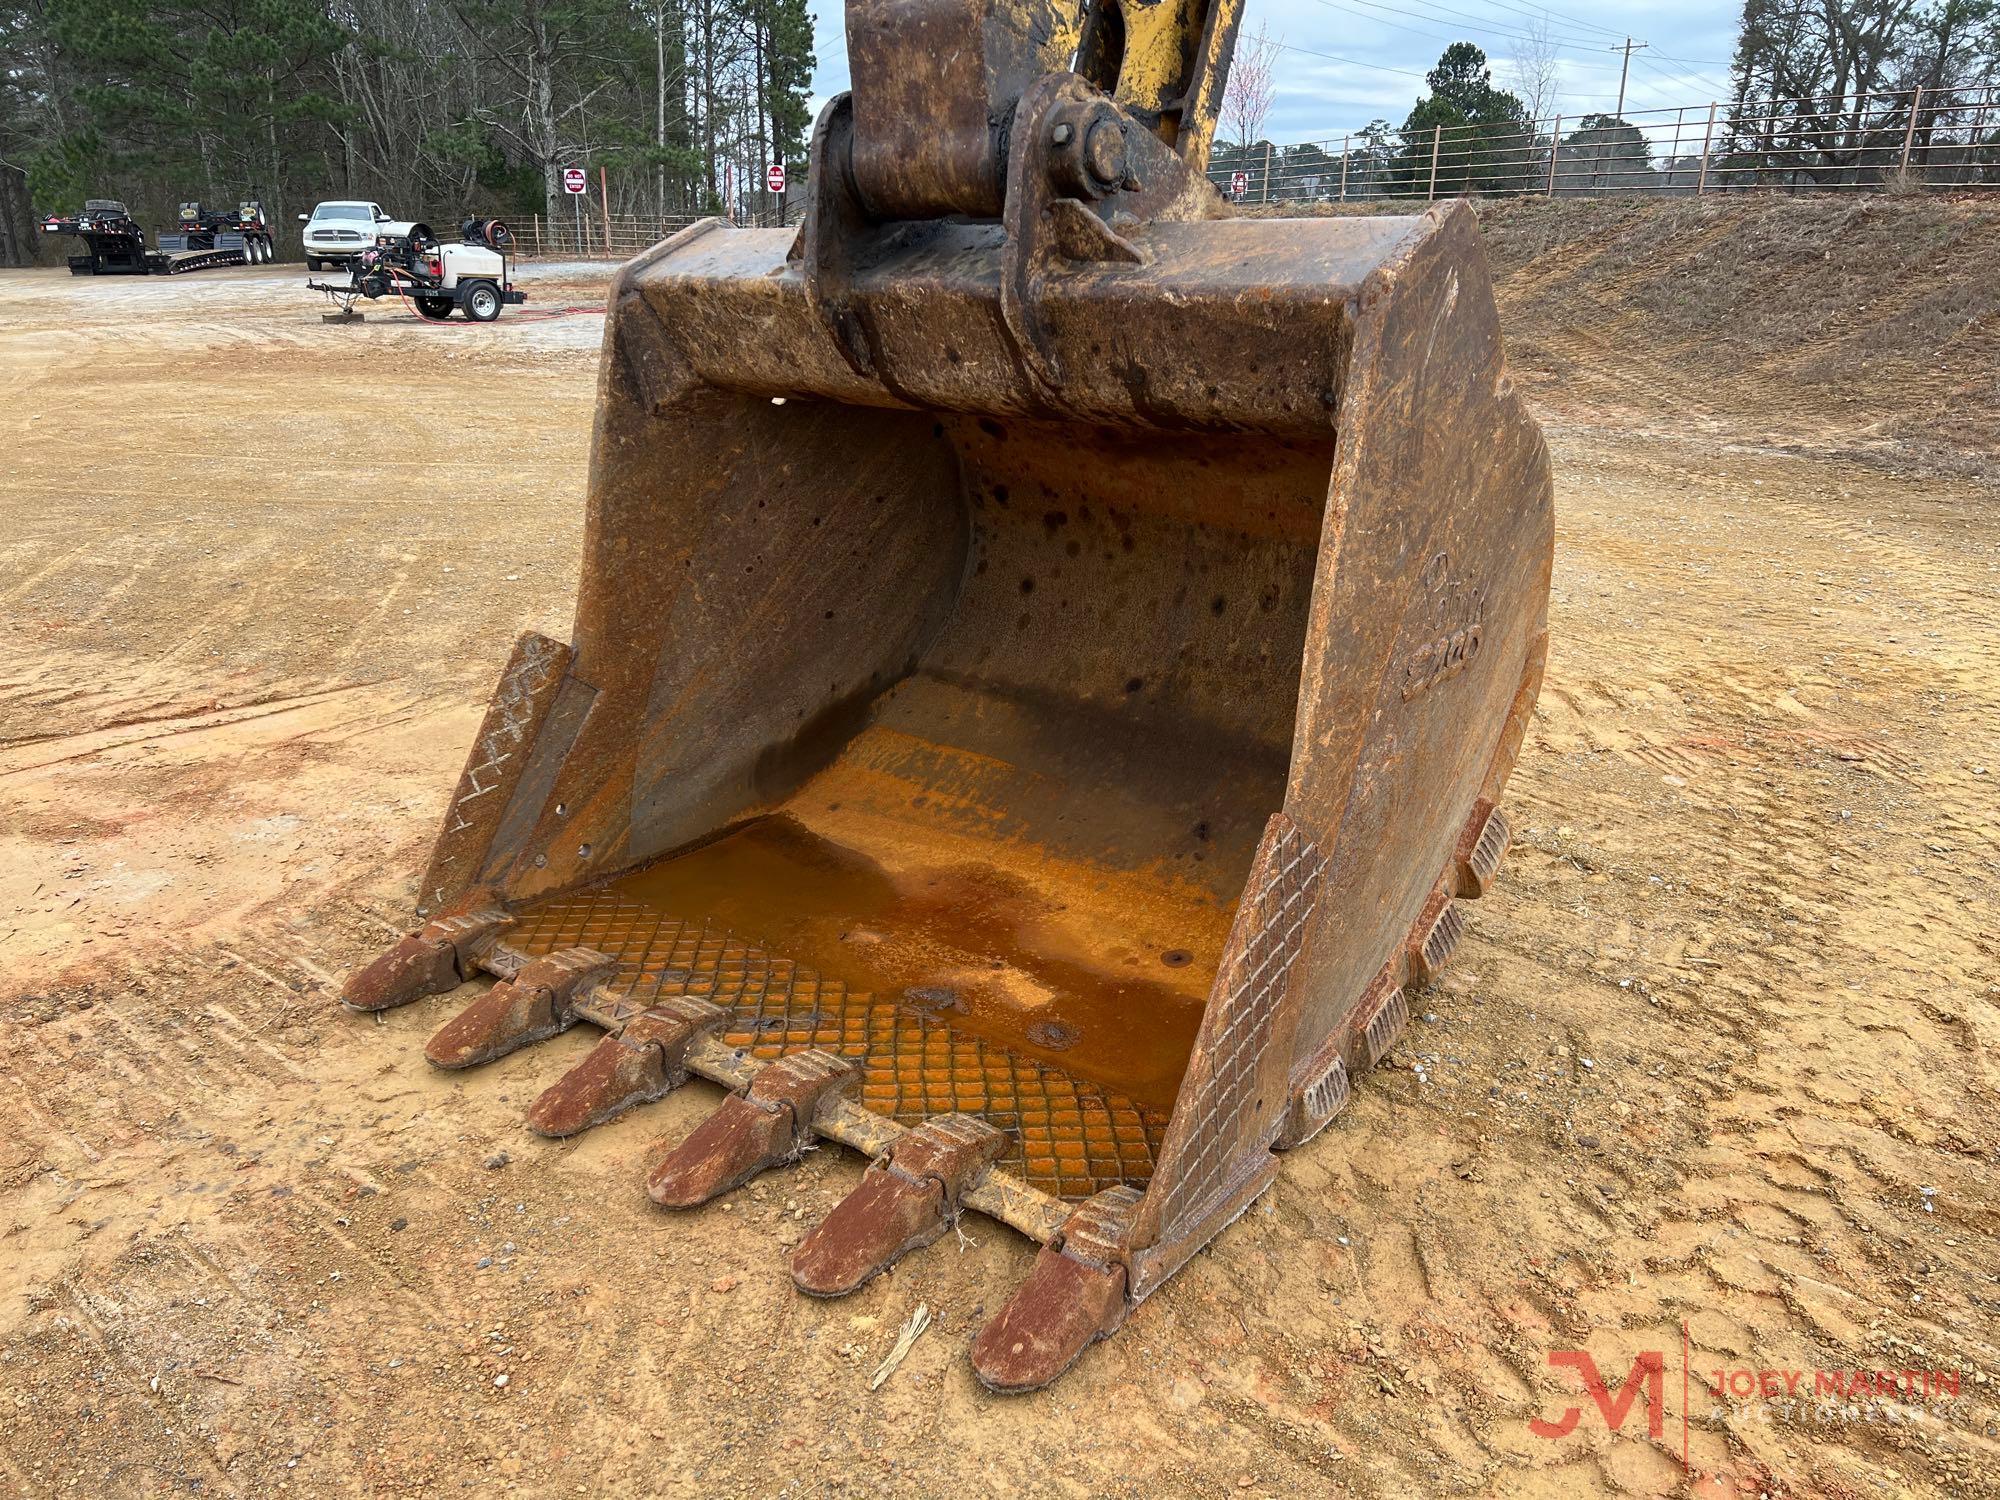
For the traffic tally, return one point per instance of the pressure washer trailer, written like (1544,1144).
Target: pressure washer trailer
(407,260)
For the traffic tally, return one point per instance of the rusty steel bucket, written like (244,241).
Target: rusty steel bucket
(1029,717)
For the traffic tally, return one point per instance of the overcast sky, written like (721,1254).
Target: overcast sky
(1346,62)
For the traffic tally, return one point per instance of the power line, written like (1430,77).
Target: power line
(1376,21)
(1697,62)
(1681,79)
(1352,62)
(839,30)
(1587,50)
(1582,46)
(1583,43)
(1586,42)
(1671,77)
(1544,14)
(1656,88)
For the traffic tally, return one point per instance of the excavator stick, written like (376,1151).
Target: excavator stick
(1047,663)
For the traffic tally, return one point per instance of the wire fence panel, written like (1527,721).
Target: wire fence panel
(1915,139)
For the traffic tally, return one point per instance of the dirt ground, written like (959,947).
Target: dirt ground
(1714,1074)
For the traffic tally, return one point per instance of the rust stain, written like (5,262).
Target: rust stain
(972,941)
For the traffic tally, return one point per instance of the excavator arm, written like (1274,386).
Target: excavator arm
(1047,663)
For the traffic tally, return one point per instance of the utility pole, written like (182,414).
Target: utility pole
(1625,70)
(1618,114)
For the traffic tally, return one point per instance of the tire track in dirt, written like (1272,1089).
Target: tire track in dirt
(177,1441)
(14,761)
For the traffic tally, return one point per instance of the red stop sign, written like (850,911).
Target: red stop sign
(775,178)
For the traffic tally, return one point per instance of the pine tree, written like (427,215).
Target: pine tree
(1484,128)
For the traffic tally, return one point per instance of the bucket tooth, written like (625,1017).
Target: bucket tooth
(769,1123)
(1322,1095)
(1481,847)
(434,960)
(1074,1296)
(646,1060)
(1379,1022)
(539,1001)
(1439,941)
(905,1201)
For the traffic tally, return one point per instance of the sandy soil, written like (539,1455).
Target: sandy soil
(1717,1062)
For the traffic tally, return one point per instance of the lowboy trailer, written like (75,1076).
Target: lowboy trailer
(115,245)
(241,229)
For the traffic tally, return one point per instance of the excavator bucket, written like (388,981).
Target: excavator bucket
(1042,685)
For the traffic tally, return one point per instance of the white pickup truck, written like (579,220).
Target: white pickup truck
(336,233)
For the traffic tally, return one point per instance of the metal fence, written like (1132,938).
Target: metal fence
(594,236)
(1938,139)
(1915,139)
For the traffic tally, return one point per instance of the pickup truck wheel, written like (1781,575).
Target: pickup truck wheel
(437,309)
(312,263)
(482,302)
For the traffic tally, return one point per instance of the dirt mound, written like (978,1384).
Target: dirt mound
(1859,327)
(1865,326)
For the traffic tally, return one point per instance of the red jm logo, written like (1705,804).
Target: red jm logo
(1648,1369)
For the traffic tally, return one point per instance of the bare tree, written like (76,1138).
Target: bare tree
(1252,86)
(1535,70)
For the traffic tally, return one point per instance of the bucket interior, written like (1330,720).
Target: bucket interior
(1032,833)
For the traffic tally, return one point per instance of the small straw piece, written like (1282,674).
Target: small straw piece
(912,1331)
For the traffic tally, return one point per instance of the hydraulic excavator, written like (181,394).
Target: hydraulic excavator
(1047,661)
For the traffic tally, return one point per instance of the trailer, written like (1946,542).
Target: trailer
(242,228)
(115,245)
(409,261)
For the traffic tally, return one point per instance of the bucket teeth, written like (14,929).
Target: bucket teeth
(906,1200)
(1074,1296)
(539,1001)
(770,1122)
(647,1060)
(431,961)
